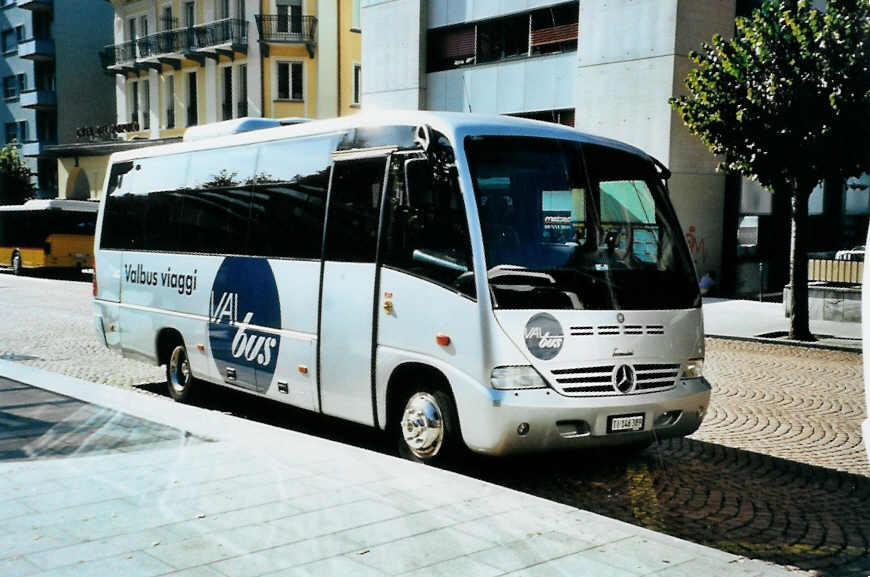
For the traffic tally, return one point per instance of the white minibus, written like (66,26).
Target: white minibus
(457,280)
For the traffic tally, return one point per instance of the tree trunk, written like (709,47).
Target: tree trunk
(799,325)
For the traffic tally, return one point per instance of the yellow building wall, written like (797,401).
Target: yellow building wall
(94,167)
(274,108)
(349,53)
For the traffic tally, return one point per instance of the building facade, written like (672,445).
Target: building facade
(180,63)
(52,80)
(608,68)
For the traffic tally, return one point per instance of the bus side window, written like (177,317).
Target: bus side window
(354,207)
(217,204)
(121,223)
(289,198)
(425,229)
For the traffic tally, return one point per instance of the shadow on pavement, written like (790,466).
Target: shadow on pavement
(733,500)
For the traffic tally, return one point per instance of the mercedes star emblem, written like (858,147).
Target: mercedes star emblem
(624,378)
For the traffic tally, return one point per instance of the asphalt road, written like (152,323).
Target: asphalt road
(777,471)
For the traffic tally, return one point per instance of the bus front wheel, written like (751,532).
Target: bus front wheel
(427,426)
(179,377)
(16,263)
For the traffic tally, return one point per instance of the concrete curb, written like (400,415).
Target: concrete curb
(789,343)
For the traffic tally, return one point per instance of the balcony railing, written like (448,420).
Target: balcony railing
(288,29)
(229,33)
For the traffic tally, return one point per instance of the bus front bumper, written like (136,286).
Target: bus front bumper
(510,422)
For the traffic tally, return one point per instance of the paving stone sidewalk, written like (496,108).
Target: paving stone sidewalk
(266,501)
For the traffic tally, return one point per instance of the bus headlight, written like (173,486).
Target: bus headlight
(692,369)
(518,377)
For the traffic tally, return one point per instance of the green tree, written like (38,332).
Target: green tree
(15,177)
(787,102)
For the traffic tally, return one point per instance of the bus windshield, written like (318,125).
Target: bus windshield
(571,226)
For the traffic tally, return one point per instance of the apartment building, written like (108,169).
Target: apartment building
(52,81)
(180,63)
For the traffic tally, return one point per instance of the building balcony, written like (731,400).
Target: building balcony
(35,4)
(284,29)
(36,49)
(38,99)
(222,37)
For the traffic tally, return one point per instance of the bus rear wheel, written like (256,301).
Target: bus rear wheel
(426,427)
(179,377)
(16,263)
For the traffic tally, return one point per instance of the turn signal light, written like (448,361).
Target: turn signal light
(442,339)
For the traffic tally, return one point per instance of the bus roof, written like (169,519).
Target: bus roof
(454,125)
(54,204)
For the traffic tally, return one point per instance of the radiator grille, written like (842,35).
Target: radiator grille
(598,380)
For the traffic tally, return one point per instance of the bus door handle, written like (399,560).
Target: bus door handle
(388,307)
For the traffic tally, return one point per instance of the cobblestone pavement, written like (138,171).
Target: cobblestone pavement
(797,403)
(777,471)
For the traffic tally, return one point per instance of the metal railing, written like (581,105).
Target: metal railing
(281,28)
(179,41)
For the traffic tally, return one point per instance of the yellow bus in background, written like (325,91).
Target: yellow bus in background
(47,234)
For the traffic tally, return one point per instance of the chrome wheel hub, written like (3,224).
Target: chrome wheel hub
(423,425)
(179,370)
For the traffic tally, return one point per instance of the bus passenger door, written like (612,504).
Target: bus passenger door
(348,283)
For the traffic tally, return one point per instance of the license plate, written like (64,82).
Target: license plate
(619,423)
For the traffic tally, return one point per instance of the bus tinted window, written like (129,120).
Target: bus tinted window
(563,233)
(426,232)
(352,222)
(195,202)
(217,203)
(158,185)
(290,197)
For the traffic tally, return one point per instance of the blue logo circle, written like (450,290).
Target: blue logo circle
(244,301)
(544,336)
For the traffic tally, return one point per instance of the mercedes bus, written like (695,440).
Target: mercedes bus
(47,234)
(458,280)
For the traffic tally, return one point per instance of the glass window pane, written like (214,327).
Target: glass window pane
(289,197)
(216,206)
(297,81)
(283,80)
(352,221)
(425,229)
